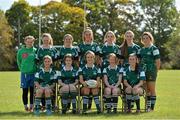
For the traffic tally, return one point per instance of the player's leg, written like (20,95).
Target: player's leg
(128,98)
(39,93)
(107,92)
(64,90)
(95,92)
(85,91)
(73,94)
(136,93)
(48,102)
(114,99)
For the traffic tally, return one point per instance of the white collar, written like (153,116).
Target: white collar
(50,70)
(109,67)
(64,68)
(87,66)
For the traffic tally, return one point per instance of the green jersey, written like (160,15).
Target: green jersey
(26,60)
(133,77)
(46,78)
(68,76)
(47,51)
(148,56)
(83,48)
(73,51)
(112,74)
(90,72)
(106,50)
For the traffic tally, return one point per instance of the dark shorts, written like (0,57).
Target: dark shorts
(27,80)
(151,75)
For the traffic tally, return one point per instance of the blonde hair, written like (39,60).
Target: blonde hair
(110,32)
(29,37)
(68,35)
(88,30)
(129,31)
(49,36)
(47,57)
(149,35)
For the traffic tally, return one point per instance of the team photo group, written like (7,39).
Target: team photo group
(127,70)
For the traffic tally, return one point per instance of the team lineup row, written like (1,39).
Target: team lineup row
(138,64)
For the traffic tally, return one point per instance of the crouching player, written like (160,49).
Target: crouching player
(112,80)
(134,77)
(90,72)
(45,83)
(68,80)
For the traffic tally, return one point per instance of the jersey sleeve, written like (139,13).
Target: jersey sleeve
(104,71)
(142,75)
(156,53)
(37,77)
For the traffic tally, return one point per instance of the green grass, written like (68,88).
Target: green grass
(167,106)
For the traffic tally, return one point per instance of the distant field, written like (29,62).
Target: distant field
(167,107)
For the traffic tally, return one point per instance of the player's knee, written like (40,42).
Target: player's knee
(95,91)
(128,90)
(115,91)
(107,91)
(85,90)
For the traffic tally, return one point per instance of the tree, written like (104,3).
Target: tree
(159,19)
(6,50)
(57,19)
(19,14)
(173,48)
(103,15)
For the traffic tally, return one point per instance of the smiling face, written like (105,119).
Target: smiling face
(47,62)
(68,41)
(132,60)
(87,37)
(46,40)
(29,42)
(110,39)
(146,40)
(90,58)
(129,37)
(112,60)
(68,61)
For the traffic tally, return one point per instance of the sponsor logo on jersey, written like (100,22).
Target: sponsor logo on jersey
(24,55)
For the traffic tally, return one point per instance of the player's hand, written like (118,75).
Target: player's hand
(84,84)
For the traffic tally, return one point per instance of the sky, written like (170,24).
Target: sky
(5,4)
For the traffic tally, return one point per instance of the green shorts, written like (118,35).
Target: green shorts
(151,75)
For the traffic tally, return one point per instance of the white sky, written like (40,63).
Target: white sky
(5,4)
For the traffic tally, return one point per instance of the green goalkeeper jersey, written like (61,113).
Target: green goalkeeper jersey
(26,60)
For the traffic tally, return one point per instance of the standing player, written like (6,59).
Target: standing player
(46,49)
(128,47)
(133,81)
(45,83)
(68,80)
(150,60)
(109,47)
(90,72)
(26,63)
(112,80)
(68,48)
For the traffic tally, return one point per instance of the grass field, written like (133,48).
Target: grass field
(167,106)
